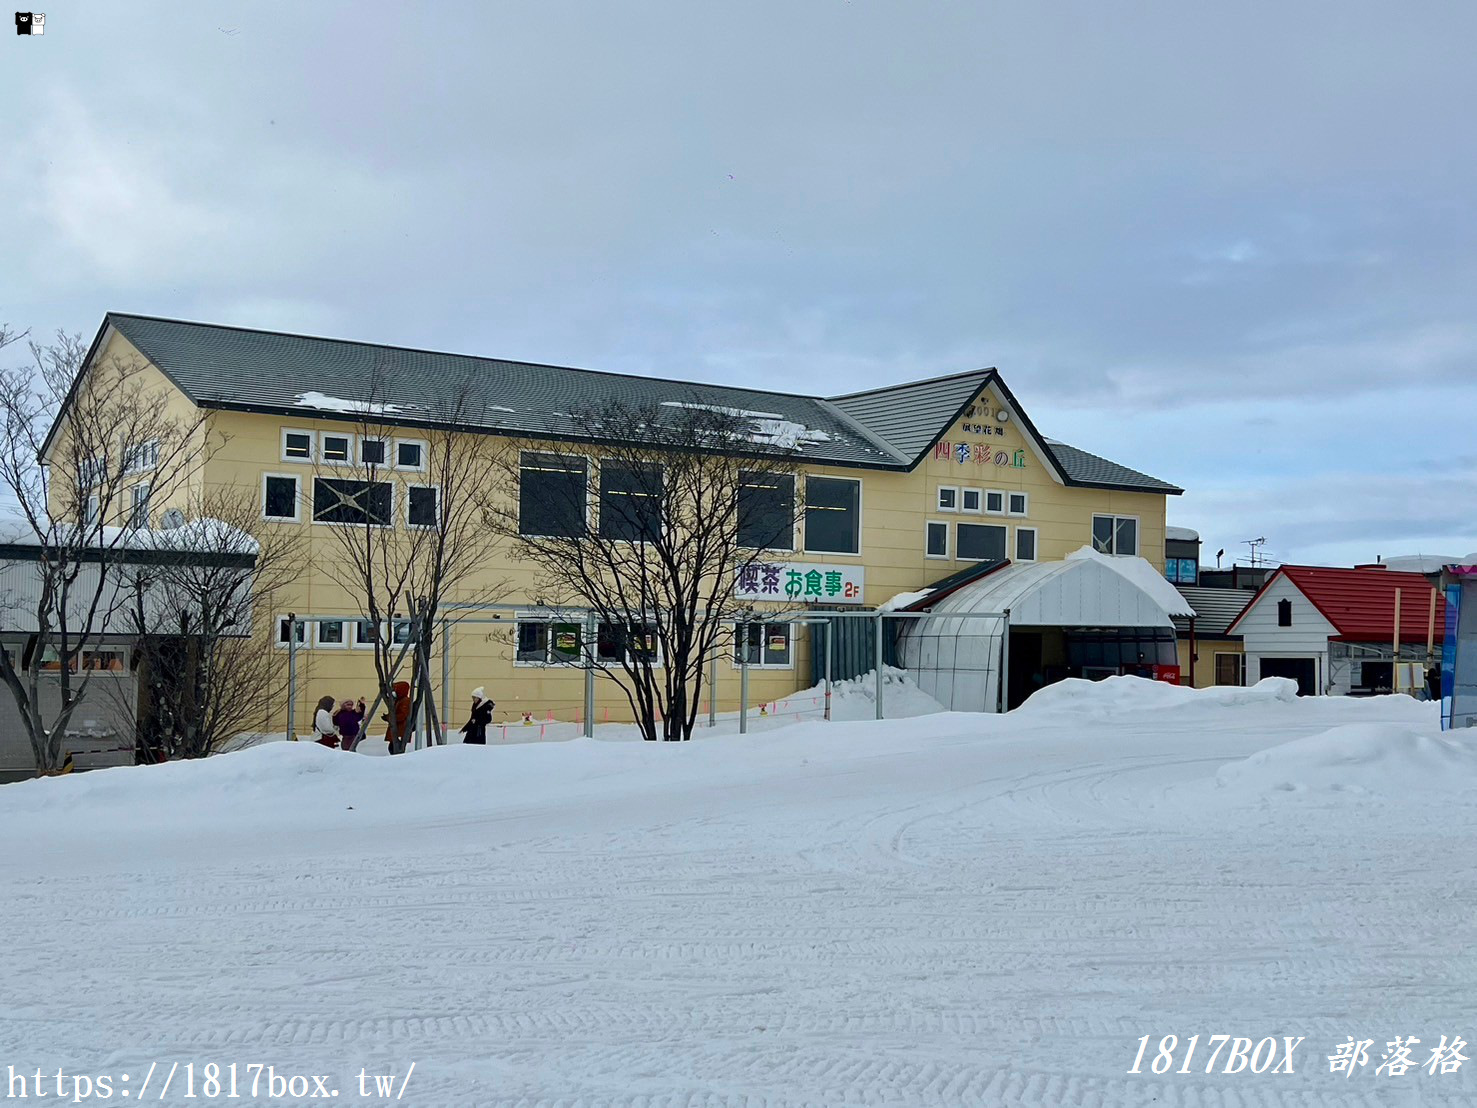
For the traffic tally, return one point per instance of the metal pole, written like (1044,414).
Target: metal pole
(445,671)
(589,658)
(878,654)
(1005,665)
(830,624)
(292,625)
(1395,663)
(743,678)
(713,688)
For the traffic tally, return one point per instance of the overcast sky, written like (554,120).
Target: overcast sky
(1230,245)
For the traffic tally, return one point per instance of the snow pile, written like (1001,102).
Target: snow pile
(1386,758)
(903,599)
(327,403)
(1114,695)
(856,699)
(1141,575)
(769,428)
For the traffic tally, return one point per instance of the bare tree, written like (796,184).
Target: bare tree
(407,500)
(690,496)
(82,457)
(192,610)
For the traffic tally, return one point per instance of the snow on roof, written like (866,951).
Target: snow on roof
(1181,534)
(1141,574)
(1426,563)
(200,536)
(326,403)
(903,599)
(770,428)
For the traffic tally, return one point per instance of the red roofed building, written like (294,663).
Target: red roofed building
(1333,630)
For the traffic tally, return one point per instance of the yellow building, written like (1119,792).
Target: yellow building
(903,485)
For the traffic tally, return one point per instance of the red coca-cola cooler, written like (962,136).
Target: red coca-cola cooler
(1170,674)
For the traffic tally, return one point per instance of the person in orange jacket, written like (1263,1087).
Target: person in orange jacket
(395,733)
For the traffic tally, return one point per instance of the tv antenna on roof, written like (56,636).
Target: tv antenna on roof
(1256,545)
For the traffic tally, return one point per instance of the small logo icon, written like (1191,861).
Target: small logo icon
(30,23)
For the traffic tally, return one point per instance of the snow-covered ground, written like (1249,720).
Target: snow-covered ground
(949,909)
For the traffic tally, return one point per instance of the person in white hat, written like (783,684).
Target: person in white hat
(475,729)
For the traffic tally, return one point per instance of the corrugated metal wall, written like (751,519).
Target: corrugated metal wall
(853,648)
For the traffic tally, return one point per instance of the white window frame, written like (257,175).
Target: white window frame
(1026,504)
(735,664)
(1215,668)
(1138,534)
(148,451)
(989,511)
(388,444)
(389,526)
(978,561)
(353,636)
(92,509)
(861,519)
(135,521)
(661,657)
(297,498)
(930,523)
(318,642)
(425,455)
(979,497)
(1015,545)
(939,504)
(422,526)
(303,643)
(350,448)
(312,445)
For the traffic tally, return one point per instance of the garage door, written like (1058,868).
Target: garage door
(1302,670)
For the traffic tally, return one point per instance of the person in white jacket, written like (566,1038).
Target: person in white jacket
(323,728)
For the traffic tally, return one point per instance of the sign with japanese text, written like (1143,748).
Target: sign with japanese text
(978,453)
(800,583)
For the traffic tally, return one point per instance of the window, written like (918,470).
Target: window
(297,446)
(1115,535)
(422,506)
(400,633)
(533,644)
(279,498)
(766,510)
(1025,544)
(763,645)
(936,539)
(90,511)
(1183,571)
(140,458)
(283,625)
(994,502)
(91,471)
(138,515)
(1230,669)
(410,454)
(364,636)
(633,642)
(551,495)
(970,500)
(353,502)
(337,449)
(1017,503)
(373,452)
(331,634)
(1284,613)
(833,515)
(948,499)
(630,502)
(979,542)
(101,659)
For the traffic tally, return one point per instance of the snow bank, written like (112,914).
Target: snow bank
(856,699)
(1392,759)
(1137,694)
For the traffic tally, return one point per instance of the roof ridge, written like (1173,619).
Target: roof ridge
(457,354)
(909,384)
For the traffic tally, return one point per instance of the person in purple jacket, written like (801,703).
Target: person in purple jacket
(348,719)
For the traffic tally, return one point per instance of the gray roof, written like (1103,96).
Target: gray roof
(269,371)
(1215,609)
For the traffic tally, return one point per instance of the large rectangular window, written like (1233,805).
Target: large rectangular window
(355,502)
(979,542)
(1115,534)
(833,515)
(936,539)
(765,645)
(1182,571)
(766,510)
(552,489)
(1230,669)
(633,642)
(421,508)
(630,502)
(279,497)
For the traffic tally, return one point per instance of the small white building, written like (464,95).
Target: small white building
(1333,630)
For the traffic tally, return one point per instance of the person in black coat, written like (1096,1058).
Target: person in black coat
(475,729)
